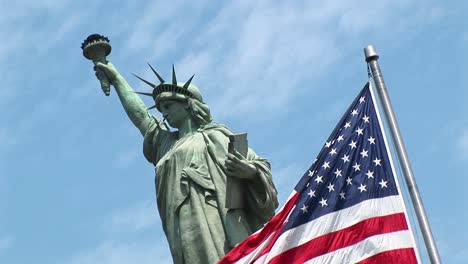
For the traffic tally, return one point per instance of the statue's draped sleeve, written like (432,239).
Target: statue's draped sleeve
(155,141)
(261,193)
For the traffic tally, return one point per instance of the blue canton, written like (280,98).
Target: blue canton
(353,166)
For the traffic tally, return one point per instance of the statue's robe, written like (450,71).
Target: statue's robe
(191,192)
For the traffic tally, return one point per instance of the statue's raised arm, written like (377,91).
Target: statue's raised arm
(132,103)
(96,48)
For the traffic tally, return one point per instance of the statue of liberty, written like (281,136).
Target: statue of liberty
(192,165)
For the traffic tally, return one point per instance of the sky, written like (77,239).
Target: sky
(75,187)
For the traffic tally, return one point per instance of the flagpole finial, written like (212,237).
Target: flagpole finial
(370,53)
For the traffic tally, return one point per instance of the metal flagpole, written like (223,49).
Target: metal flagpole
(371,59)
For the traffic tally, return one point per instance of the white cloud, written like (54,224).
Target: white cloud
(123,253)
(133,219)
(126,158)
(7,138)
(257,56)
(463,144)
(5,243)
(130,237)
(451,252)
(285,179)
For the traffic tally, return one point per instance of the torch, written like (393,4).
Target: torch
(96,48)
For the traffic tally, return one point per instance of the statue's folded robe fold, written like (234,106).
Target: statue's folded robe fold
(191,188)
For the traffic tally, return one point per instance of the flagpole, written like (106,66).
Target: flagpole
(371,59)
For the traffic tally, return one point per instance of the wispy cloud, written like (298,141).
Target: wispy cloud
(123,253)
(125,158)
(126,238)
(285,179)
(133,219)
(463,144)
(249,55)
(451,252)
(5,243)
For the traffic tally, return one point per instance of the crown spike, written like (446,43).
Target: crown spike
(157,75)
(187,84)
(153,107)
(150,84)
(174,79)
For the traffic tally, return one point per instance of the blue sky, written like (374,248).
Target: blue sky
(74,185)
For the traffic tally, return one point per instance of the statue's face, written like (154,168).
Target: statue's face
(175,112)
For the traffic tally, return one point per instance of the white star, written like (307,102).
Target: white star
(304,209)
(323,202)
(340,138)
(326,165)
(349,181)
(331,187)
(357,167)
(372,140)
(359,131)
(377,162)
(333,151)
(366,119)
(362,188)
(338,173)
(328,144)
(342,195)
(345,158)
(362,99)
(311,173)
(311,194)
(383,184)
(319,179)
(348,124)
(370,174)
(354,112)
(364,153)
(353,144)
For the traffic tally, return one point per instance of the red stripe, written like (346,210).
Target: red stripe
(343,238)
(403,256)
(251,243)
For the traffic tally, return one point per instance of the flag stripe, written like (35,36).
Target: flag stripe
(343,238)
(249,248)
(366,248)
(404,255)
(355,214)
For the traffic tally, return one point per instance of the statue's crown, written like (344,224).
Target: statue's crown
(172,90)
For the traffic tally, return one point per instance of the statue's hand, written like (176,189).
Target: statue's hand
(239,167)
(109,70)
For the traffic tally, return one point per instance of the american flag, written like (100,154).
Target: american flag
(346,208)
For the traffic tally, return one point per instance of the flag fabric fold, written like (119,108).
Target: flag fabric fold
(346,208)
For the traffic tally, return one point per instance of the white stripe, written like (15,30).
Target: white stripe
(252,255)
(261,260)
(366,248)
(392,165)
(335,221)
